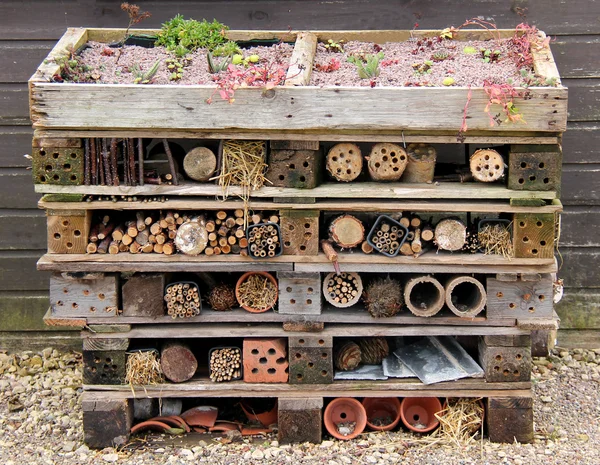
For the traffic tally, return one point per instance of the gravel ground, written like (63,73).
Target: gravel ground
(40,420)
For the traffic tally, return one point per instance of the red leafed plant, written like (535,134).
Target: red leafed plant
(333,65)
(504,95)
(525,39)
(267,75)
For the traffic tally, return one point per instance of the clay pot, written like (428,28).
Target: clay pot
(266,419)
(203,415)
(418,413)
(243,278)
(224,427)
(382,407)
(345,410)
(151,425)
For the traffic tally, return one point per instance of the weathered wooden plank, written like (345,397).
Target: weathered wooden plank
(48,21)
(572,55)
(15,141)
(581,143)
(360,190)
(581,184)
(21,58)
(578,226)
(17,271)
(39,340)
(584,99)
(23,311)
(580,267)
(17,189)
(14,102)
(22,230)
(195,330)
(74,296)
(302,59)
(579,309)
(291,108)
(579,339)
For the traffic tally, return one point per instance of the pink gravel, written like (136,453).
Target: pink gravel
(396,66)
(110,71)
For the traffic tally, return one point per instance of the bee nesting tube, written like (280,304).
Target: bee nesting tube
(183,300)
(343,290)
(421,163)
(387,162)
(465,296)
(424,295)
(225,364)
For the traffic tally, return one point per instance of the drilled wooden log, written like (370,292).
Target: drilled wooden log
(487,165)
(177,361)
(200,164)
(347,231)
(421,163)
(424,295)
(344,162)
(387,162)
(450,234)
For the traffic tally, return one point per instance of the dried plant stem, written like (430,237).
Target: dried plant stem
(257,292)
(113,161)
(141,161)
(496,240)
(87,171)
(143,368)
(171,161)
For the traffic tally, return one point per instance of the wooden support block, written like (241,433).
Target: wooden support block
(527,202)
(295,200)
(505,364)
(300,420)
(108,328)
(104,366)
(508,341)
(300,231)
(510,419)
(299,293)
(304,326)
(40,142)
(143,295)
(106,344)
(68,231)
(294,145)
(107,423)
(84,295)
(507,277)
(265,360)
(533,235)
(300,169)
(57,165)
(311,359)
(542,340)
(534,167)
(520,299)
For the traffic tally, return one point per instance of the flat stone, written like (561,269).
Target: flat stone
(112,458)
(258,454)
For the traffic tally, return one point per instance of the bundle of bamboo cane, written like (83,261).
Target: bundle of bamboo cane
(264,238)
(182,300)
(225,364)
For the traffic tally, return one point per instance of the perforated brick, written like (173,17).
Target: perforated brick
(265,360)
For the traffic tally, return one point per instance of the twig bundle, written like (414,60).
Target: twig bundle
(384,297)
(387,237)
(342,290)
(263,240)
(495,239)
(183,300)
(222,297)
(257,292)
(143,368)
(225,364)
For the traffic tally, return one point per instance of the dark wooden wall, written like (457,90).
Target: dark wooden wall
(28,30)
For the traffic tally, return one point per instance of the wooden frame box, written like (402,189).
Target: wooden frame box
(290,109)
(84,294)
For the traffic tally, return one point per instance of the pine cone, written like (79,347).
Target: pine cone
(347,356)
(222,297)
(384,298)
(373,350)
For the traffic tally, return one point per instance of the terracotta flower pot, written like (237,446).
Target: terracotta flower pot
(418,413)
(243,278)
(253,414)
(380,408)
(204,415)
(345,410)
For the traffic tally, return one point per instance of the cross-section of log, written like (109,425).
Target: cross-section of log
(192,237)
(343,290)
(424,295)
(533,235)
(200,164)
(347,231)
(450,234)
(387,162)
(465,296)
(487,165)
(344,162)
(178,362)
(421,163)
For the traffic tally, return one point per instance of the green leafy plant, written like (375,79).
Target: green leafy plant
(214,66)
(448,81)
(423,68)
(144,77)
(490,56)
(367,66)
(227,49)
(333,46)
(175,67)
(468,50)
(183,36)
(440,55)
(72,70)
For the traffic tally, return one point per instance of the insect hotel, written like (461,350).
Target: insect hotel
(335,253)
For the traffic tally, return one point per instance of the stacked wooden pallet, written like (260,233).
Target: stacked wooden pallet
(118,297)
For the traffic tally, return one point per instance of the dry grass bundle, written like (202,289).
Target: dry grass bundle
(143,368)
(257,292)
(243,163)
(384,297)
(222,297)
(495,238)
